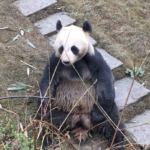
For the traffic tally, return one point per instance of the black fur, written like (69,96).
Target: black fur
(58,25)
(60,50)
(87,27)
(104,89)
(106,96)
(75,50)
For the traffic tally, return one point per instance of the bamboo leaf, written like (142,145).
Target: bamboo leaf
(16,37)
(30,44)
(17,87)
(90,135)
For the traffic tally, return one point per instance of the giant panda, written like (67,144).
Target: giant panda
(77,72)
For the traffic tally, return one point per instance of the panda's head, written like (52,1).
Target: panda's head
(72,43)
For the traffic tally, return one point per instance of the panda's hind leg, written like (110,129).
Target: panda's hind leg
(108,130)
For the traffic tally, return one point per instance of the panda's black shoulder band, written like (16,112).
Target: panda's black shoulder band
(87,27)
(58,25)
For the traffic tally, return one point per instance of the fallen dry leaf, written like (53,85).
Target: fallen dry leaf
(26,133)
(21,126)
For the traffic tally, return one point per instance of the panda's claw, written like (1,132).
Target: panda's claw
(80,133)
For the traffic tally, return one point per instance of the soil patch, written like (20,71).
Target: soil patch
(11,52)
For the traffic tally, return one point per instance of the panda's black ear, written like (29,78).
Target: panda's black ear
(58,25)
(87,27)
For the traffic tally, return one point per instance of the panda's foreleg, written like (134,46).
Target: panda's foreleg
(105,92)
(104,86)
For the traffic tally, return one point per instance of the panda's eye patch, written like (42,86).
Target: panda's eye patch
(75,50)
(60,50)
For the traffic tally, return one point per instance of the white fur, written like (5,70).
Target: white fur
(73,36)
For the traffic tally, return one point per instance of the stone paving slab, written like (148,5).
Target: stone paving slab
(111,61)
(28,7)
(52,39)
(122,88)
(47,26)
(94,43)
(141,134)
(0,106)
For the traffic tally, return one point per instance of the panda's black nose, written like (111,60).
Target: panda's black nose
(66,62)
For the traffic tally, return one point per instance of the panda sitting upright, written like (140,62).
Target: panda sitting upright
(81,82)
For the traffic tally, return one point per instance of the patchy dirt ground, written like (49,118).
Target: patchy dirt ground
(11,52)
(121,27)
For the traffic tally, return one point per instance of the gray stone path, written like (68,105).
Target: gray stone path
(111,61)
(122,88)
(47,26)
(53,38)
(28,7)
(141,134)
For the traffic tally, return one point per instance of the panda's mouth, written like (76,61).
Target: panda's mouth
(66,63)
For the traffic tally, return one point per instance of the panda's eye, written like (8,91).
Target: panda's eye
(75,50)
(60,50)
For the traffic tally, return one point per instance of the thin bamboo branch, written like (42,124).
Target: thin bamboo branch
(26,96)
(27,64)
(34,134)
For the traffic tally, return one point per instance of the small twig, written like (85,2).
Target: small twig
(9,111)
(26,96)
(34,134)
(3,28)
(27,64)
(135,126)
(117,147)
(43,140)
(7,28)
